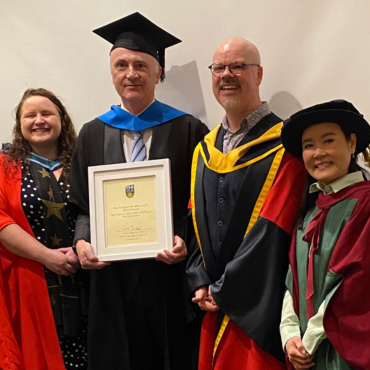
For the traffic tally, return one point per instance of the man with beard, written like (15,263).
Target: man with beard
(244,197)
(137,316)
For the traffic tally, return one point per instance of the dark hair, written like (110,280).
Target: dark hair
(308,199)
(20,147)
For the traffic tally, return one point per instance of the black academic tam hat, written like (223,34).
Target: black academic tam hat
(341,112)
(137,33)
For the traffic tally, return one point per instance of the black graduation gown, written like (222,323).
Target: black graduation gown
(160,284)
(245,265)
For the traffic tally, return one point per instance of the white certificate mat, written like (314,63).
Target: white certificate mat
(130,209)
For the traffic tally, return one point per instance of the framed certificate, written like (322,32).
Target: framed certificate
(130,209)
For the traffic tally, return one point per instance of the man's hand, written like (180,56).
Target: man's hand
(204,299)
(61,261)
(87,257)
(297,354)
(176,255)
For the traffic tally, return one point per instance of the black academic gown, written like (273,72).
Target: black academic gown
(159,285)
(244,203)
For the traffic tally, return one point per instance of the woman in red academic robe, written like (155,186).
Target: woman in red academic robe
(326,311)
(42,296)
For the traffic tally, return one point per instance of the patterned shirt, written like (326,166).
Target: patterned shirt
(232,139)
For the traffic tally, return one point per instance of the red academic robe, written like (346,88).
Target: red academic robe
(347,314)
(28,338)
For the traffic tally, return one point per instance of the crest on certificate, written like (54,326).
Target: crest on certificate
(130,191)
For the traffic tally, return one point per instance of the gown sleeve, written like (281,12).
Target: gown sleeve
(315,332)
(79,186)
(10,357)
(196,274)
(347,314)
(289,325)
(252,288)
(261,261)
(27,338)
(5,214)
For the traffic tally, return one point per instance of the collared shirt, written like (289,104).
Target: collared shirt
(128,138)
(232,139)
(128,142)
(339,184)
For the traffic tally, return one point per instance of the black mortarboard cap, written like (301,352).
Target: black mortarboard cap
(338,111)
(137,33)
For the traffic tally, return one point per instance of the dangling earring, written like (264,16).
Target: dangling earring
(353,155)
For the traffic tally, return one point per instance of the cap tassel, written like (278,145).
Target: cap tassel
(161,61)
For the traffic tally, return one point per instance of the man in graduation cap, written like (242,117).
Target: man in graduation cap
(245,194)
(137,316)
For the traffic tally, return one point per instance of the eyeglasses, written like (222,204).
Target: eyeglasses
(235,68)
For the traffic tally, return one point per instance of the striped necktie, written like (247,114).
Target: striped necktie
(138,151)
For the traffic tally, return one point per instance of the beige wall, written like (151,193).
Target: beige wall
(312,51)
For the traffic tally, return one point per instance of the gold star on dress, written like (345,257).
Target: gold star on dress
(56,240)
(53,208)
(51,194)
(44,173)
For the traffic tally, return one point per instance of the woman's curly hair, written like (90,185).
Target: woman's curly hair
(20,148)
